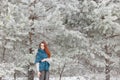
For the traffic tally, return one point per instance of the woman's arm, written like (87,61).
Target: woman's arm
(47,59)
(38,58)
(37,66)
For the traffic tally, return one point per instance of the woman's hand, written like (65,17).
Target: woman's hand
(47,59)
(39,73)
(43,60)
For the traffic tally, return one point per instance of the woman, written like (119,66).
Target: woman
(42,61)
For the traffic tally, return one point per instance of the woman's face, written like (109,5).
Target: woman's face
(42,46)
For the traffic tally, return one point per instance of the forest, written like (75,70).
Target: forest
(82,35)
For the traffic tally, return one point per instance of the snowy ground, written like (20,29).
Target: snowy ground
(64,78)
(69,78)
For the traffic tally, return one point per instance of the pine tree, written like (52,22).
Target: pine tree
(99,22)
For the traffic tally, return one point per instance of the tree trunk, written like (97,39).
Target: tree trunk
(62,71)
(4,49)
(32,17)
(107,70)
(30,39)
(31,74)
(15,75)
(107,64)
(0,78)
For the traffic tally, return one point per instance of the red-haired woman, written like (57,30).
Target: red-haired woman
(42,61)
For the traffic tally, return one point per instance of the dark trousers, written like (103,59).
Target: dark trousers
(44,75)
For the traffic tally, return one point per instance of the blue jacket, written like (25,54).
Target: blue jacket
(43,66)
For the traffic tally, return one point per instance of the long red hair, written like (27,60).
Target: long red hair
(46,48)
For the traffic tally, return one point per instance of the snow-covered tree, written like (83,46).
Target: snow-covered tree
(100,21)
(81,33)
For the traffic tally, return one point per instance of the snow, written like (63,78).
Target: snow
(70,28)
(68,78)
(0,43)
(55,78)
